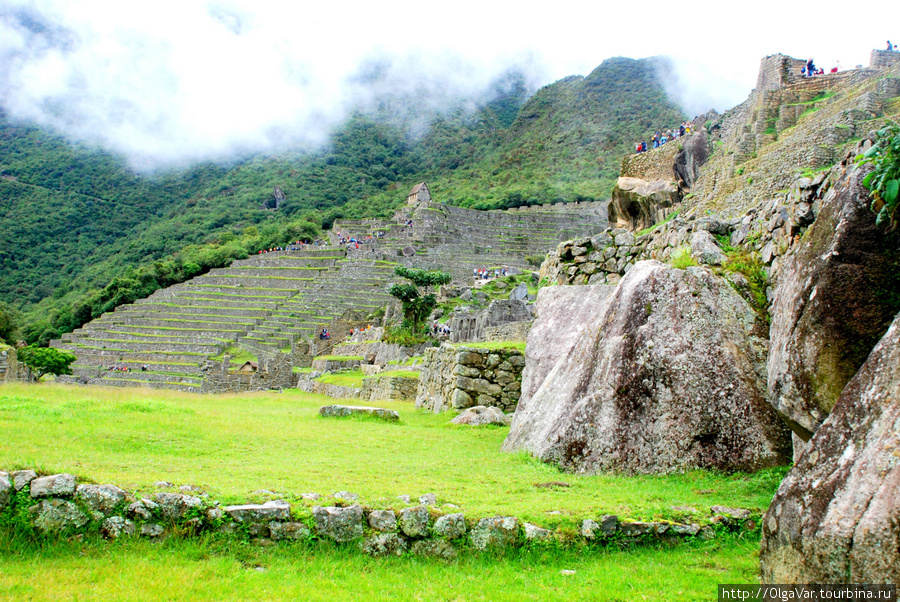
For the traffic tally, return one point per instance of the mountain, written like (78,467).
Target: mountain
(82,232)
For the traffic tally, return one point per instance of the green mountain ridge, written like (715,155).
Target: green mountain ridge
(77,218)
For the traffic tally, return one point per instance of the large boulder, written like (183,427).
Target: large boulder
(669,376)
(836,516)
(694,153)
(637,204)
(835,298)
(563,313)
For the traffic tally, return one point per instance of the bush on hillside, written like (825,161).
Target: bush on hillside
(884,181)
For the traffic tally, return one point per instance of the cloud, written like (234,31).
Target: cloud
(176,81)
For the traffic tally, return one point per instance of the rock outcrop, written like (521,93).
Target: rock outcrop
(637,204)
(693,154)
(835,516)
(669,377)
(835,298)
(563,314)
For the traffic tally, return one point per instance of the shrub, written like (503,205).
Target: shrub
(884,181)
(682,258)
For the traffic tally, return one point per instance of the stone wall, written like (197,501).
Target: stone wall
(274,372)
(513,331)
(472,326)
(601,259)
(462,377)
(9,366)
(378,388)
(59,506)
(882,59)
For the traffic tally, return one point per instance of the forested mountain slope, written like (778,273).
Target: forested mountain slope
(76,218)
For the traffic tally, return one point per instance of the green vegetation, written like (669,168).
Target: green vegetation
(652,228)
(237,355)
(884,181)
(417,306)
(397,374)
(46,360)
(135,437)
(681,258)
(348,378)
(520,345)
(9,323)
(211,569)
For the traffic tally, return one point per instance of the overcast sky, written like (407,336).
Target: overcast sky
(168,82)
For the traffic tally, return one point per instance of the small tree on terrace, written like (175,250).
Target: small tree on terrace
(46,360)
(417,306)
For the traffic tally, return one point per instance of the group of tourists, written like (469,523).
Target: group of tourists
(486,274)
(440,329)
(294,246)
(324,335)
(891,47)
(660,138)
(354,331)
(122,369)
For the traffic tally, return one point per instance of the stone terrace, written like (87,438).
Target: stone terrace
(166,339)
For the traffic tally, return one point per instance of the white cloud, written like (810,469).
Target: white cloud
(175,81)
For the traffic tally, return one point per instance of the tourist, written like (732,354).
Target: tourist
(890,47)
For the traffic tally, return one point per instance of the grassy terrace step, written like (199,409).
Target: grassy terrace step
(123,345)
(260,303)
(130,319)
(86,337)
(137,375)
(242,291)
(273,283)
(187,369)
(131,381)
(197,310)
(136,325)
(87,355)
(219,325)
(271,272)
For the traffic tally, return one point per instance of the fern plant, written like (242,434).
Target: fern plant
(884,180)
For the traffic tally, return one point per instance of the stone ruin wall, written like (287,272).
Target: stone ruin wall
(512,331)
(463,377)
(275,372)
(59,506)
(473,326)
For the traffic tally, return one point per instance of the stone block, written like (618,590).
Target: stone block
(495,533)
(535,533)
(339,524)
(383,520)
(254,513)
(384,544)
(434,548)
(102,499)
(55,515)
(21,478)
(53,486)
(337,411)
(459,399)
(450,526)
(175,506)
(414,521)
(469,358)
(116,526)
(289,530)
(6,489)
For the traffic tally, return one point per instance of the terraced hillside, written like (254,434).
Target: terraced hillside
(263,305)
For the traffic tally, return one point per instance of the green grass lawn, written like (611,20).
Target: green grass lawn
(232,445)
(212,570)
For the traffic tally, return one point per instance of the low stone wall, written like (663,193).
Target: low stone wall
(9,365)
(402,388)
(309,384)
(472,326)
(463,377)
(275,372)
(57,505)
(601,259)
(378,352)
(513,331)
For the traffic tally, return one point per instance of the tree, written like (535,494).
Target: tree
(46,360)
(416,306)
(9,323)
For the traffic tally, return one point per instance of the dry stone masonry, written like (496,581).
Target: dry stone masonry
(59,506)
(463,377)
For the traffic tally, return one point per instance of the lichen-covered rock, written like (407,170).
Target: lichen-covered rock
(414,521)
(58,485)
(836,296)
(481,415)
(152,530)
(563,313)
(434,548)
(705,249)
(535,533)
(450,526)
(591,529)
(6,489)
(636,528)
(669,377)
(384,544)
(57,516)
(141,509)
(383,520)
(339,524)
(341,411)
(116,526)
(835,516)
(100,499)
(256,513)
(22,477)
(495,533)
(176,506)
(428,499)
(289,530)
